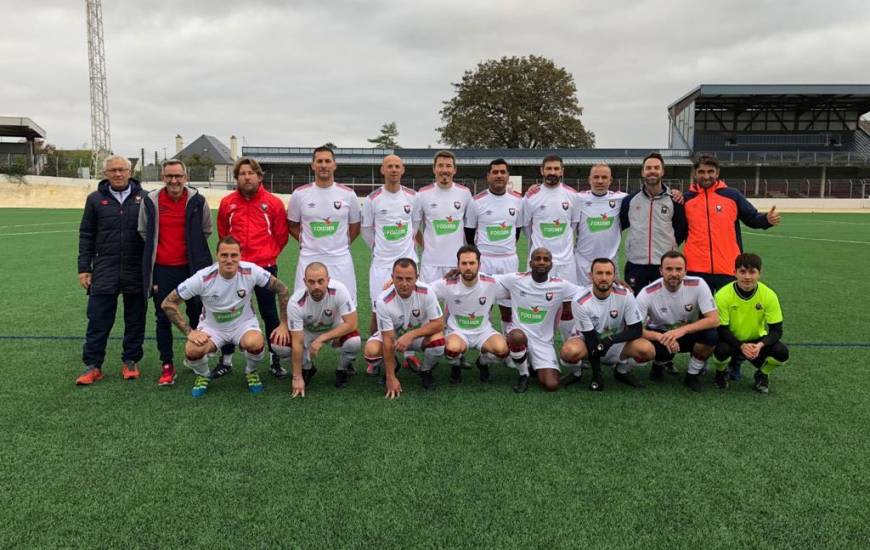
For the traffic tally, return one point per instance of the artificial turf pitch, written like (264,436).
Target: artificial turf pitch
(130,464)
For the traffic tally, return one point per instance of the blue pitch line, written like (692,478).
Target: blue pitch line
(789,344)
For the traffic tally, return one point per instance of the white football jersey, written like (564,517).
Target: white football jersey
(496,218)
(403,314)
(535,307)
(608,316)
(395,218)
(324,214)
(305,313)
(226,302)
(467,307)
(664,310)
(443,211)
(550,211)
(598,229)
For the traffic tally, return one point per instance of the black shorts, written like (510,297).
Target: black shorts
(709,337)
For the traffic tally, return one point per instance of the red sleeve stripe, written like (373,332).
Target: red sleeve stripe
(390,296)
(585,298)
(653,288)
(210,275)
(421,290)
(691,281)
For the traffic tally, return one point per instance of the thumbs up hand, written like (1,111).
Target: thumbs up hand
(773,216)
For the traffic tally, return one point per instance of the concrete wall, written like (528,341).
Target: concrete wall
(48,192)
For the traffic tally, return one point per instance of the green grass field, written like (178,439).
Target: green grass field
(129,464)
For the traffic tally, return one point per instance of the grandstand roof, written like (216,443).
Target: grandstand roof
(842,94)
(14,126)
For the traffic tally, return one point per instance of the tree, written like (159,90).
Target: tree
(515,102)
(387,137)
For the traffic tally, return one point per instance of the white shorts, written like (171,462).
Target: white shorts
(340,269)
(541,355)
(584,266)
(499,265)
(378,275)
(474,340)
(431,273)
(416,345)
(221,337)
(566,272)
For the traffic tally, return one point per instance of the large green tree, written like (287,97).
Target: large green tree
(388,136)
(523,102)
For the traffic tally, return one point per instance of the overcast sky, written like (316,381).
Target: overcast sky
(301,73)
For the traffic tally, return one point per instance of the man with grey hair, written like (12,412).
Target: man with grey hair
(175,223)
(109,264)
(598,228)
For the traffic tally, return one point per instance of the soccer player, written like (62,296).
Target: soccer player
(680,316)
(324,217)
(750,326)
(610,310)
(598,228)
(493,222)
(175,223)
(109,264)
(713,211)
(255,218)
(656,223)
(550,220)
(390,219)
(468,300)
(409,319)
(318,314)
(228,316)
(536,301)
(442,207)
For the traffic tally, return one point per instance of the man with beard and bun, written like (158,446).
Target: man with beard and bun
(468,300)
(598,229)
(390,219)
(318,314)
(550,219)
(610,310)
(257,220)
(409,319)
(228,316)
(442,206)
(536,301)
(325,218)
(680,317)
(493,223)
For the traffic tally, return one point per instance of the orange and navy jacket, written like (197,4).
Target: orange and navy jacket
(258,223)
(714,217)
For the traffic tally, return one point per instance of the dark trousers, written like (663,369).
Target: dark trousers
(639,275)
(268,311)
(713,280)
(165,279)
(778,351)
(101,317)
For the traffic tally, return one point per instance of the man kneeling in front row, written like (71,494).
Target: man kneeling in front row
(228,317)
(319,313)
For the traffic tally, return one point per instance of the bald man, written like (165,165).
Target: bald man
(390,218)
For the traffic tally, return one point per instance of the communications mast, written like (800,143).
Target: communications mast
(101,141)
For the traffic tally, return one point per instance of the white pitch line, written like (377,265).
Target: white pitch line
(754,234)
(810,222)
(34,224)
(37,233)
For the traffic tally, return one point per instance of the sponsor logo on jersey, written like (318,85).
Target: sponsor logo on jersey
(317,327)
(445,227)
(498,232)
(689,307)
(336,204)
(614,313)
(241,293)
(407,209)
(549,296)
(227,316)
(531,316)
(396,232)
(326,228)
(512,211)
(310,205)
(597,224)
(469,322)
(104,202)
(553,230)
(482,300)
(457,205)
(565,205)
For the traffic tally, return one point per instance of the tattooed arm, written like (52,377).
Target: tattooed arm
(281,334)
(170,308)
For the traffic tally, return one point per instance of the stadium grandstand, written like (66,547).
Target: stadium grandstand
(18,143)
(772,141)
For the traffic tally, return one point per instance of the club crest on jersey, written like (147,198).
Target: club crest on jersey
(482,300)
(614,313)
(310,205)
(758,306)
(337,205)
(612,203)
(549,296)
(241,293)
(407,209)
(415,312)
(327,312)
(664,209)
(565,205)
(689,307)
(457,205)
(512,211)
(263,206)
(457,301)
(718,208)
(138,198)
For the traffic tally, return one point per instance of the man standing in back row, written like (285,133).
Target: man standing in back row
(598,228)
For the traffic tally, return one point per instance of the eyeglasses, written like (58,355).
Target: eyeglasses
(174,177)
